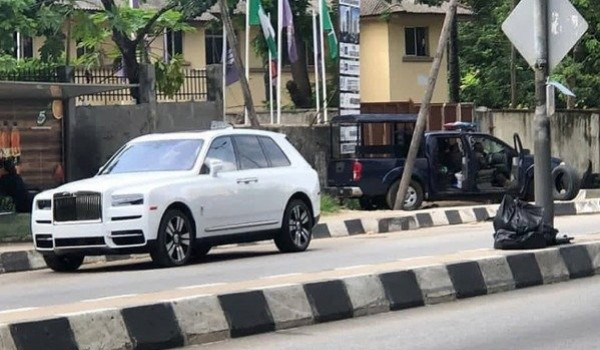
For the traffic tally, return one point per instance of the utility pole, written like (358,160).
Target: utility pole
(513,69)
(424,109)
(239,65)
(541,121)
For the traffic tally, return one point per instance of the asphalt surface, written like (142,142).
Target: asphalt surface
(44,287)
(560,316)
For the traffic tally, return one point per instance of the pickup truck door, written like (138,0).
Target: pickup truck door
(448,161)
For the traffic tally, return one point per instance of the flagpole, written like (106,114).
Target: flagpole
(279,53)
(316,61)
(270,84)
(224,60)
(323,68)
(247,60)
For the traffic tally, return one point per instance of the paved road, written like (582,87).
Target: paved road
(560,316)
(43,287)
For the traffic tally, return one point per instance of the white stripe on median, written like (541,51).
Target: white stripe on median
(109,298)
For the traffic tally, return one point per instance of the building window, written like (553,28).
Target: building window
(82,50)
(22,47)
(416,41)
(213,41)
(174,43)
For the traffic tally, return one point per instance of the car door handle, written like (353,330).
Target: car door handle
(247,180)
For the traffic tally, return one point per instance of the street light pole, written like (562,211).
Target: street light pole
(541,122)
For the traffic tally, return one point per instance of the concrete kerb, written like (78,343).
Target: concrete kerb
(552,266)
(289,306)
(208,318)
(366,295)
(201,319)
(100,330)
(403,221)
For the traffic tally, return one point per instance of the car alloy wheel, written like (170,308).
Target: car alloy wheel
(175,241)
(300,225)
(296,228)
(411,197)
(178,239)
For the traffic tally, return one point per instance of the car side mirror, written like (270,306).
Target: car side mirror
(216,166)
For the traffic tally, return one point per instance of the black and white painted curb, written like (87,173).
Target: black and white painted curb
(30,260)
(209,318)
(436,217)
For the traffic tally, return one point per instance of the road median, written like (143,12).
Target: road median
(212,313)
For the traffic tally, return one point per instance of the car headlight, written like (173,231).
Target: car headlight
(127,199)
(44,204)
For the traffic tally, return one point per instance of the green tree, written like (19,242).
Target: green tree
(32,18)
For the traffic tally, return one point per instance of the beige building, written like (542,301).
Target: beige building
(398,42)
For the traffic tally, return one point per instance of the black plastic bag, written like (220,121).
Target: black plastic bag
(519,225)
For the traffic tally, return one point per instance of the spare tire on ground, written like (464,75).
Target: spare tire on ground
(566,183)
(519,225)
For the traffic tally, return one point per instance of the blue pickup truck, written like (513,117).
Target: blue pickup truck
(368,154)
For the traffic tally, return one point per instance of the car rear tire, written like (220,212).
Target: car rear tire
(414,195)
(296,230)
(566,183)
(175,241)
(64,263)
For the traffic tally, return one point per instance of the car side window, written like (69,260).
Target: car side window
(221,149)
(250,153)
(274,152)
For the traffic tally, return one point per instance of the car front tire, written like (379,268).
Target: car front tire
(175,241)
(296,230)
(64,263)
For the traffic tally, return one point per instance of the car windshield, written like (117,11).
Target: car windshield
(161,155)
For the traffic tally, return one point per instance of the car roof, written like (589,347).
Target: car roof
(203,134)
(374,118)
(455,132)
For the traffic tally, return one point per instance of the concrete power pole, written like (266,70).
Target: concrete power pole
(424,109)
(541,122)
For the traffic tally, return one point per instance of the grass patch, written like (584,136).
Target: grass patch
(332,205)
(15,228)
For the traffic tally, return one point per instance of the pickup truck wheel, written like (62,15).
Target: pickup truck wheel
(414,195)
(566,183)
(175,240)
(64,263)
(296,229)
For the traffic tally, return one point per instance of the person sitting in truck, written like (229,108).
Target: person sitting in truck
(480,155)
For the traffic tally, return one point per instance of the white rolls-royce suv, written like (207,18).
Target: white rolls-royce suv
(177,195)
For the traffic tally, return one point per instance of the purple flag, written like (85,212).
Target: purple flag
(288,22)
(231,74)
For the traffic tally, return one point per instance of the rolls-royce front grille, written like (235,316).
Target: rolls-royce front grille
(79,206)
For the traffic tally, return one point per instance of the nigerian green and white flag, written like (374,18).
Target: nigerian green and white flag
(332,42)
(259,17)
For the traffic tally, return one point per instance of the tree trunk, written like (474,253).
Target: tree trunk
(239,65)
(453,62)
(301,93)
(132,69)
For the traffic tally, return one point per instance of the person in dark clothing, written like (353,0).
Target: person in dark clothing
(12,185)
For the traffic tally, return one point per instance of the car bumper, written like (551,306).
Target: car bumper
(117,233)
(346,192)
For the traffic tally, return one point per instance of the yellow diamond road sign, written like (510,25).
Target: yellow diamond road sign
(565,27)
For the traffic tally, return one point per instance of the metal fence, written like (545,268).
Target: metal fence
(103,76)
(192,89)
